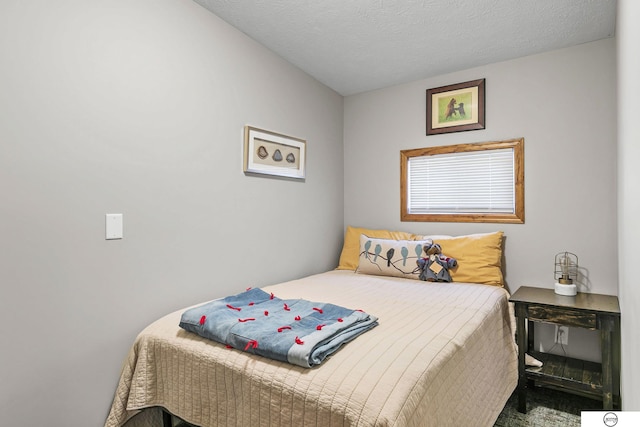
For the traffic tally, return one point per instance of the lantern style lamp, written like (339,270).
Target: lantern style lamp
(566,273)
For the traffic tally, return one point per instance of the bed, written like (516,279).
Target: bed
(442,354)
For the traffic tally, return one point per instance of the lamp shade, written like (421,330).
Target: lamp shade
(566,273)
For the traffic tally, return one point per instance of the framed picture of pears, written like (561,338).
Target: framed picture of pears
(271,153)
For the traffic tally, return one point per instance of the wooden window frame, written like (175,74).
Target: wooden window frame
(516,218)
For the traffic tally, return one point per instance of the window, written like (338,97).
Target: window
(481,182)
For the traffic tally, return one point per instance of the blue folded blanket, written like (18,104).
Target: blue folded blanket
(297,331)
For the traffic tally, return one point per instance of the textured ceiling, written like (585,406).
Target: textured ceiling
(360,45)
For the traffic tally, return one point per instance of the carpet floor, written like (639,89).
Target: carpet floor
(546,408)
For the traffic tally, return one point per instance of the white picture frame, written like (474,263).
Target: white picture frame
(271,153)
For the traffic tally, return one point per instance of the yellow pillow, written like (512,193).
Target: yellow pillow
(351,248)
(479,257)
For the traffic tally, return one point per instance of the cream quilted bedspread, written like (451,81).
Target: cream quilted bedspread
(443,355)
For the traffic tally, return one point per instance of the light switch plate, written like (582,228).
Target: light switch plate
(114,226)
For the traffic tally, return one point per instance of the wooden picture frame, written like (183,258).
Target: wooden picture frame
(270,153)
(456,108)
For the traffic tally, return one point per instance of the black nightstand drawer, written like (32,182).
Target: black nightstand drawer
(563,316)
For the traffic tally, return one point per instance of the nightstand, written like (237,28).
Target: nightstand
(590,311)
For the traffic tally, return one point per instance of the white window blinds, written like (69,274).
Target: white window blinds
(470,182)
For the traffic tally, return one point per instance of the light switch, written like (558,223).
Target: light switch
(114,226)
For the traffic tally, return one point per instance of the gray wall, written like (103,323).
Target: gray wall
(628,34)
(137,107)
(564,104)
